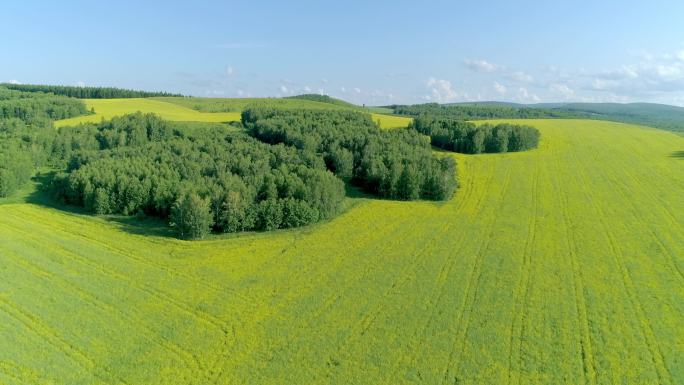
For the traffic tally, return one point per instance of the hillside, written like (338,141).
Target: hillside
(559,265)
(323,99)
(648,114)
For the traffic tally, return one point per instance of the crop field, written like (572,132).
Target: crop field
(561,265)
(202,109)
(109,108)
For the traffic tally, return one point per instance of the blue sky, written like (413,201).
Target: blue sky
(373,52)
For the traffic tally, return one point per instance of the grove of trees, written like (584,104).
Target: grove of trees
(469,138)
(397,164)
(140,164)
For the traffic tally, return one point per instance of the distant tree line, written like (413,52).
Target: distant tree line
(27,134)
(86,92)
(482,111)
(469,138)
(397,164)
(322,99)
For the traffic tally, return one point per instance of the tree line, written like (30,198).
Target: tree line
(397,164)
(86,92)
(482,111)
(469,138)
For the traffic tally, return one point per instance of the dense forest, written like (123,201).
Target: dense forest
(27,134)
(209,180)
(394,164)
(86,92)
(469,138)
(482,111)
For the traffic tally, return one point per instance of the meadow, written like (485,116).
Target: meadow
(560,265)
(204,109)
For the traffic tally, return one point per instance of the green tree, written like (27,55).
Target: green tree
(191,216)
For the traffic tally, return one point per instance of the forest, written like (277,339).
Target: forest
(482,111)
(469,138)
(86,92)
(396,164)
(27,134)
(210,179)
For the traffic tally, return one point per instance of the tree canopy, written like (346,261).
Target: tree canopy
(469,138)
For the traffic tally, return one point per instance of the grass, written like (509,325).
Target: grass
(559,265)
(205,109)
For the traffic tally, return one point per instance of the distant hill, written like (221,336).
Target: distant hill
(322,99)
(648,114)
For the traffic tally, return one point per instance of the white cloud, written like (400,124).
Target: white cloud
(343,89)
(284,89)
(80,83)
(441,90)
(481,66)
(521,77)
(563,90)
(324,81)
(357,90)
(307,89)
(13,81)
(500,88)
(230,71)
(524,95)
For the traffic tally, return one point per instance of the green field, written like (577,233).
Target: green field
(561,265)
(204,109)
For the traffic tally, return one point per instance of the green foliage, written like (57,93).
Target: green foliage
(355,149)
(26,133)
(469,138)
(85,92)
(141,163)
(191,216)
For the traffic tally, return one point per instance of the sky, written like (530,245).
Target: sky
(366,52)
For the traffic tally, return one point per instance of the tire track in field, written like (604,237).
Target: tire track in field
(635,211)
(661,369)
(333,299)
(163,297)
(132,256)
(586,346)
(35,326)
(369,318)
(228,332)
(472,286)
(402,278)
(91,299)
(396,284)
(450,261)
(524,282)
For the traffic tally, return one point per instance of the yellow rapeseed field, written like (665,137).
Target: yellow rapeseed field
(176,111)
(561,265)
